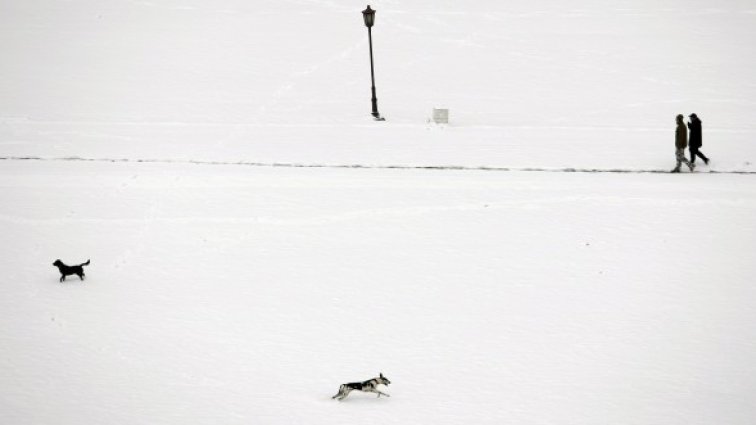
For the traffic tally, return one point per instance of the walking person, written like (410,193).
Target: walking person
(696,140)
(681,142)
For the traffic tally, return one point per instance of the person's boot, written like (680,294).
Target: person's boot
(692,167)
(706,161)
(675,170)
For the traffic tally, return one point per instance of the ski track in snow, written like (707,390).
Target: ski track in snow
(368,166)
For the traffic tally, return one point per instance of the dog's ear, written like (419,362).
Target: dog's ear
(381,374)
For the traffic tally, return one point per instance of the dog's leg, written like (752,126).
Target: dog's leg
(340,393)
(377,391)
(62,278)
(345,393)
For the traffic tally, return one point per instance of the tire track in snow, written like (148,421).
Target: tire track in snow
(366,166)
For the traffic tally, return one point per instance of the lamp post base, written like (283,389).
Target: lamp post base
(377,117)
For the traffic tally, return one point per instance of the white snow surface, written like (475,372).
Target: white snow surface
(256,240)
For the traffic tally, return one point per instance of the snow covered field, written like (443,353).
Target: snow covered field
(256,240)
(231,294)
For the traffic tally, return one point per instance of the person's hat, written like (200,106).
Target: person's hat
(680,116)
(693,115)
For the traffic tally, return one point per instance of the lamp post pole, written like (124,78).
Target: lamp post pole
(369,17)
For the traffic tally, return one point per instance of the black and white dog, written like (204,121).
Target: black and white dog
(369,386)
(69,270)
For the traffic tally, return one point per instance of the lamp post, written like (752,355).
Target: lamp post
(369,16)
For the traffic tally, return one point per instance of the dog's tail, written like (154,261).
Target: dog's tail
(84,264)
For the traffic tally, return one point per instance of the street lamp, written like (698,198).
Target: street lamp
(369,16)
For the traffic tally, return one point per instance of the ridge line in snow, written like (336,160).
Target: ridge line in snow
(366,166)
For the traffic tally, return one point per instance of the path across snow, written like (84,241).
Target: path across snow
(363,166)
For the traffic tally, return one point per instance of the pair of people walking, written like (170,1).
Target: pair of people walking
(681,142)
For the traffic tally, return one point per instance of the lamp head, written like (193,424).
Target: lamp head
(369,16)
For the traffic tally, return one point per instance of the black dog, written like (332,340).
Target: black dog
(69,270)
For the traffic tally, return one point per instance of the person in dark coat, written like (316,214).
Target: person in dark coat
(696,141)
(681,142)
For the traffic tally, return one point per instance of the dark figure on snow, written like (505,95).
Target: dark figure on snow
(681,142)
(696,141)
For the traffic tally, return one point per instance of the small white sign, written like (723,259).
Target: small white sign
(440,116)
